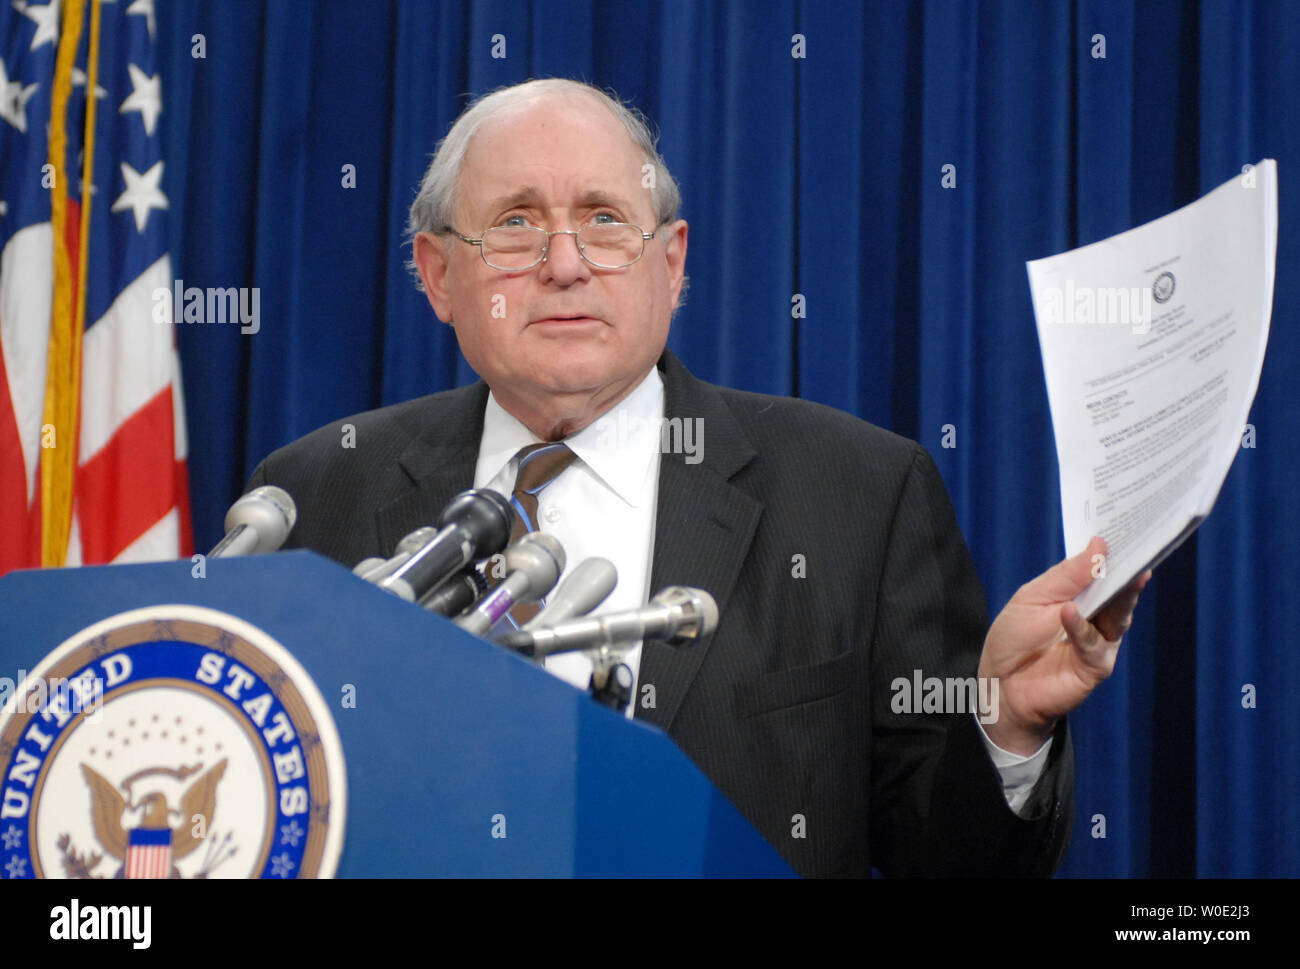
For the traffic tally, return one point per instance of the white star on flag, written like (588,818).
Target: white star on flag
(4,207)
(79,80)
(142,193)
(46,19)
(146,97)
(14,98)
(144,7)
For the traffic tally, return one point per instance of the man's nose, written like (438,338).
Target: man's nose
(564,265)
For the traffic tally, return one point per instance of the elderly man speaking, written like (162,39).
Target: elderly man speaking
(546,233)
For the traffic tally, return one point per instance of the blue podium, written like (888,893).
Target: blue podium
(461,758)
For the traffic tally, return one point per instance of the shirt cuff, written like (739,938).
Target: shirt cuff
(1019,773)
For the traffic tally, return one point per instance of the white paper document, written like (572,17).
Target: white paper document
(1152,344)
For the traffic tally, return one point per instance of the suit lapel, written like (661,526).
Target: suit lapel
(439,463)
(703,530)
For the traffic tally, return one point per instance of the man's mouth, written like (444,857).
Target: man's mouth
(571,319)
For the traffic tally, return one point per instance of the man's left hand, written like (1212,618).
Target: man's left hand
(1047,657)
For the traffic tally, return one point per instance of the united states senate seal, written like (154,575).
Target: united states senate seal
(170,742)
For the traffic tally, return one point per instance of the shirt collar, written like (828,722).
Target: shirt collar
(619,446)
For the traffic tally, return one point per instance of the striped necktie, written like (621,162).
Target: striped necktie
(539,465)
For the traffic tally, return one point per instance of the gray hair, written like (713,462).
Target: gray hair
(436,200)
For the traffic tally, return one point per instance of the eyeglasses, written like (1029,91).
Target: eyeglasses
(515,248)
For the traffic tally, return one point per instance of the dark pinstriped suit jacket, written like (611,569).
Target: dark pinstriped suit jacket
(786,707)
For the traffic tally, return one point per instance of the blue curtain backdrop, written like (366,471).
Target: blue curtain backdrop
(818,176)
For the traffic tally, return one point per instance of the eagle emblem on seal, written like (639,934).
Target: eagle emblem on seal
(154,840)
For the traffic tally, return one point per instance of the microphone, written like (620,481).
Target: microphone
(368,565)
(677,615)
(583,589)
(374,569)
(474,525)
(456,594)
(534,563)
(258,522)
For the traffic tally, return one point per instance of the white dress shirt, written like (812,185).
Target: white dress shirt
(604,504)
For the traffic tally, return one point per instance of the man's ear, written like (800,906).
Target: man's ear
(675,254)
(431,254)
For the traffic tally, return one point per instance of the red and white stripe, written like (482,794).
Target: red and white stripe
(26,287)
(148,861)
(131,495)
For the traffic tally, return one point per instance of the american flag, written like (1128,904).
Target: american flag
(149,853)
(92,431)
